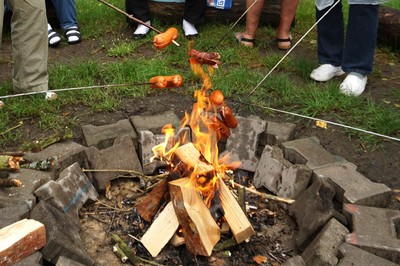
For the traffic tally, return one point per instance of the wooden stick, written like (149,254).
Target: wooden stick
(265,195)
(120,254)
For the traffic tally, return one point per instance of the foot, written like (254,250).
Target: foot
(141,30)
(73,35)
(244,41)
(326,72)
(353,85)
(53,37)
(189,29)
(284,43)
(50,96)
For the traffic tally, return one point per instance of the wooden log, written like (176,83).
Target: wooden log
(177,240)
(200,230)
(161,230)
(20,240)
(174,12)
(389,26)
(192,160)
(236,218)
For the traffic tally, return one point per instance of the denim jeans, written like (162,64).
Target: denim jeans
(355,50)
(66,13)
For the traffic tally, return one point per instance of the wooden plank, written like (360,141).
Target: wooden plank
(21,239)
(239,224)
(161,230)
(150,204)
(200,230)
(191,157)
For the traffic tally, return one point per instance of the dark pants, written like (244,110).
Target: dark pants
(355,52)
(194,10)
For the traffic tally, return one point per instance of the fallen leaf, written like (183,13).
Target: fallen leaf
(387,102)
(321,124)
(397,105)
(259,259)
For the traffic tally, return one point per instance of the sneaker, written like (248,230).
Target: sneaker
(50,96)
(326,72)
(353,84)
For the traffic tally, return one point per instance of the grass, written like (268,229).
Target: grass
(288,87)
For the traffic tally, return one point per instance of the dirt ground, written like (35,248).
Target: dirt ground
(274,235)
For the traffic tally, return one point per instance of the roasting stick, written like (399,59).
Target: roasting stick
(135,19)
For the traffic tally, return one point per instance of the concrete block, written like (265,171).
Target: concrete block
(35,259)
(323,249)
(242,144)
(122,155)
(353,187)
(71,190)
(64,261)
(62,235)
(294,261)
(308,151)
(312,210)
(31,180)
(103,136)
(154,123)
(13,213)
(276,133)
(375,230)
(350,255)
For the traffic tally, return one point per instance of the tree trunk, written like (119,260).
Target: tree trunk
(389,27)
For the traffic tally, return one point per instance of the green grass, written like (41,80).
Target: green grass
(288,87)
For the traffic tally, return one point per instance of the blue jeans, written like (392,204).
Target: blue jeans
(66,13)
(355,52)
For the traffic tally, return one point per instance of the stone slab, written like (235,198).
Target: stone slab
(323,249)
(353,187)
(103,136)
(308,151)
(276,133)
(121,156)
(350,255)
(13,213)
(242,144)
(64,261)
(35,259)
(71,190)
(375,230)
(294,261)
(62,235)
(154,123)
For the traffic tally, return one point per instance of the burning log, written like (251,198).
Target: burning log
(21,239)
(200,230)
(177,240)
(193,160)
(10,162)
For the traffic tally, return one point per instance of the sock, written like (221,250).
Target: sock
(189,28)
(48,26)
(142,29)
(53,37)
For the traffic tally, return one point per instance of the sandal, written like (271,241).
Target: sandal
(73,35)
(53,38)
(244,41)
(284,44)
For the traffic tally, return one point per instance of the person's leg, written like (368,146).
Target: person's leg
(66,13)
(193,14)
(287,15)
(140,10)
(29,45)
(252,21)
(1,19)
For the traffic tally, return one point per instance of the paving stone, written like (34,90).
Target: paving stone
(280,176)
(64,261)
(242,144)
(154,123)
(312,210)
(353,187)
(350,255)
(375,230)
(294,261)
(35,259)
(31,180)
(323,249)
(62,235)
(13,213)
(68,152)
(71,190)
(308,151)
(103,136)
(122,155)
(276,133)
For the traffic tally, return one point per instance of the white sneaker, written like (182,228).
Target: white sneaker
(50,96)
(353,84)
(326,72)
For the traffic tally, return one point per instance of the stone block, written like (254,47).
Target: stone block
(323,249)
(312,210)
(121,156)
(103,136)
(64,261)
(353,187)
(242,144)
(276,133)
(308,151)
(31,180)
(35,259)
(294,261)
(71,190)
(67,152)
(154,123)
(13,213)
(62,235)
(375,230)
(350,255)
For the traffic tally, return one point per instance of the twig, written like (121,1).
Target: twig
(12,128)
(113,208)
(136,173)
(120,254)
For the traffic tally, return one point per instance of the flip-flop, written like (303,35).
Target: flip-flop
(244,41)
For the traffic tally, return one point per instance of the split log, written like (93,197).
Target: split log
(161,230)
(200,230)
(236,218)
(389,26)
(193,161)
(174,12)
(10,162)
(177,240)
(20,240)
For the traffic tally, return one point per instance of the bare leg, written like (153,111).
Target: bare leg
(252,21)
(287,14)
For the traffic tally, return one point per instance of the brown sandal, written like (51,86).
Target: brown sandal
(244,41)
(284,44)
